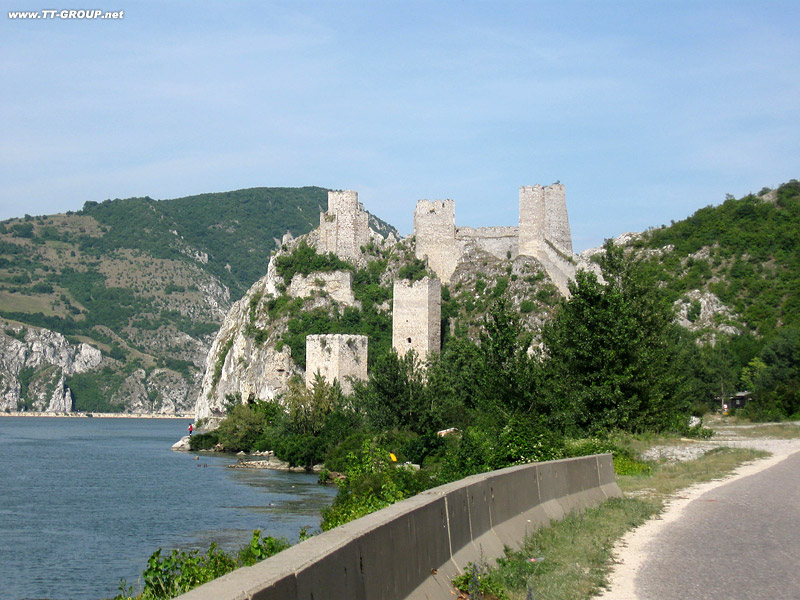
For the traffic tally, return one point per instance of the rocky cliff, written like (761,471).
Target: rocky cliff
(33,366)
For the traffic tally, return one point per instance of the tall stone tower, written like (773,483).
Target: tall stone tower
(543,220)
(339,357)
(417,317)
(344,228)
(435,234)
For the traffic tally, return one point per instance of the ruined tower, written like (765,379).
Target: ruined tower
(543,220)
(339,357)
(417,317)
(344,228)
(435,234)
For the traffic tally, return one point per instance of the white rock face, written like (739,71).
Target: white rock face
(237,364)
(52,357)
(61,401)
(711,311)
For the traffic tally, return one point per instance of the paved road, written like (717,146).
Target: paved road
(738,541)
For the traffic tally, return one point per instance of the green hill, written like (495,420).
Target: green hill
(733,273)
(745,251)
(146,281)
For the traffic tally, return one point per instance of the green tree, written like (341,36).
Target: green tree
(775,378)
(613,353)
(395,394)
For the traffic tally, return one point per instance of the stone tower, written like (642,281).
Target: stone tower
(543,220)
(435,234)
(344,228)
(417,317)
(339,357)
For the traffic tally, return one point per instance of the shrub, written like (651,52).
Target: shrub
(203,441)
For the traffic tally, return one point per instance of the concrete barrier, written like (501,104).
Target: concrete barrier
(413,549)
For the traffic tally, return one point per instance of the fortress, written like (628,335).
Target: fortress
(261,371)
(543,233)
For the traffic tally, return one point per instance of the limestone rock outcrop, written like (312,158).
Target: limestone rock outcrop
(33,363)
(238,366)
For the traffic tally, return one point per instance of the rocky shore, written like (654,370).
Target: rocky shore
(271,462)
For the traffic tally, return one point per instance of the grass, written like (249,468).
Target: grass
(782,431)
(571,559)
(28,303)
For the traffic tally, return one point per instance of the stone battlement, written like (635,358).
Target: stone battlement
(543,233)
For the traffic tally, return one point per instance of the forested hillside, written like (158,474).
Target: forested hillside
(733,274)
(145,281)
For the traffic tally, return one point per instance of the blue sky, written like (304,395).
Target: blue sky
(646,111)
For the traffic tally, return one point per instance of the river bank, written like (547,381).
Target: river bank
(82,415)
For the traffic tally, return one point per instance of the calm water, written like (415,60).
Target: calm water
(84,502)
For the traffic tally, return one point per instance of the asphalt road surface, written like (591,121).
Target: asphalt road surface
(740,540)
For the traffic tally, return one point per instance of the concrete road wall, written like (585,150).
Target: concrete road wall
(413,549)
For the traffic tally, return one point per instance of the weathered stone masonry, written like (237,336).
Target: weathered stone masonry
(344,228)
(417,317)
(543,233)
(341,357)
(435,232)
(543,220)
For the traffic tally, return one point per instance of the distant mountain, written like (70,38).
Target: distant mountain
(145,281)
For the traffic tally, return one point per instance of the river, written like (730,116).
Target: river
(85,501)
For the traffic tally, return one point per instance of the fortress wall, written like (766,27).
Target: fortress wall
(559,269)
(417,317)
(435,233)
(336,357)
(497,241)
(337,284)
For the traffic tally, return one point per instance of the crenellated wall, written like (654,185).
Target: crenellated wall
(500,242)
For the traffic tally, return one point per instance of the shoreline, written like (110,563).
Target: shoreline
(95,415)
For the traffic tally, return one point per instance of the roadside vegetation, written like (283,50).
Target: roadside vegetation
(172,574)
(572,558)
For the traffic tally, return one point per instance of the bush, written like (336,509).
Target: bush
(203,441)
(170,575)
